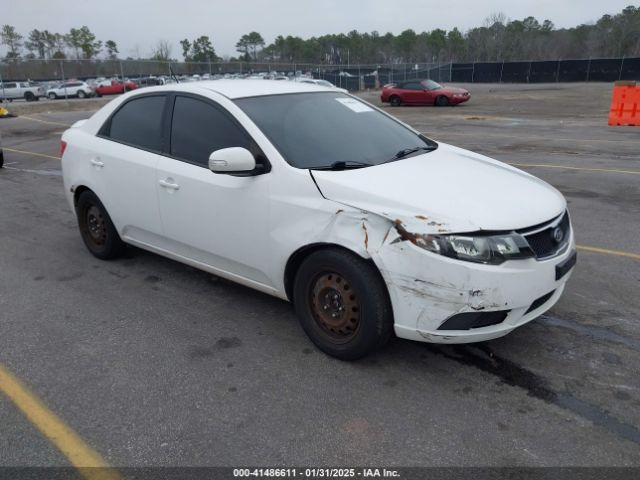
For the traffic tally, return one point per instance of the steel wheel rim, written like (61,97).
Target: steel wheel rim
(96,227)
(334,306)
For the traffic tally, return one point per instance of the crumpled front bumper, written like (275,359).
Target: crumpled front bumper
(426,289)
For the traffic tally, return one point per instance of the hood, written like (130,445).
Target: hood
(447,190)
(453,90)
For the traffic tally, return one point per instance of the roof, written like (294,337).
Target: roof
(240,88)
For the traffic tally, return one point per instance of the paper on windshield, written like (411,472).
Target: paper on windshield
(354,105)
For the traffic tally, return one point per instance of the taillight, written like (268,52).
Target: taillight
(63,147)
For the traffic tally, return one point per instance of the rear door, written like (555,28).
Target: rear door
(129,145)
(11,90)
(214,219)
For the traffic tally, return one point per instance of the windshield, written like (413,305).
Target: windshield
(315,130)
(431,85)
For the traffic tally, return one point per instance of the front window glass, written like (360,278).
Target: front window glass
(431,85)
(198,129)
(315,130)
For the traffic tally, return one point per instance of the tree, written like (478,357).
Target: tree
(202,50)
(36,42)
(74,41)
(249,43)
(455,44)
(84,42)
(13,41)
(162,51)
(186,49)
(49,40)
(112,49)
(436,44)
(405,45)
(243,47)
(59,42)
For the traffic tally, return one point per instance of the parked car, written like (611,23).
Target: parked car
(113,87)
(71,89)
(14,90)
(422,92)
(148,82)
(367,226)
(315,81)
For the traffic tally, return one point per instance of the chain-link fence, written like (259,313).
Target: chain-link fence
(351,77)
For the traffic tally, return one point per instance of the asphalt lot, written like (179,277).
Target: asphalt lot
(153,363)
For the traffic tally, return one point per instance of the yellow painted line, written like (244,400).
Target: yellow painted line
(566,167)
(606,251)
(34,119)
(25,152)
(88,462)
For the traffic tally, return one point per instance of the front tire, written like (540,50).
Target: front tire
(29,96)
(442,101)
(342,304)
(1,158)
(52,96)
(395,101)
(81,94)
(96,228)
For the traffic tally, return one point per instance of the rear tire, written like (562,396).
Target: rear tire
(96,227)
(442,101)
(52,96)
(1,158)
(395,101)
(342,304)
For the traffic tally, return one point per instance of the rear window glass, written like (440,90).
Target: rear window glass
(139,123)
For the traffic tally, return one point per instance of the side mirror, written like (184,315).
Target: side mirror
(232,160)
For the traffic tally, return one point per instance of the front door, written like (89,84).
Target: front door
(218,220)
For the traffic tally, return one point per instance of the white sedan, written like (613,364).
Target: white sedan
(316,197)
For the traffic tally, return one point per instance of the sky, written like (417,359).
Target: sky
(137,25)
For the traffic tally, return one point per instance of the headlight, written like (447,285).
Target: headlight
(494,249)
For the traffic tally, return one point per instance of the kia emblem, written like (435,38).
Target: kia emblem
(558,234)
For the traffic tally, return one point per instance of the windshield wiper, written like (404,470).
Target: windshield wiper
(408,151)
(342,165)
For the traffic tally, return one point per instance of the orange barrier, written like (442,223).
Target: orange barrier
(625,105)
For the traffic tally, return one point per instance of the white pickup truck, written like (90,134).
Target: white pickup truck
(27,90)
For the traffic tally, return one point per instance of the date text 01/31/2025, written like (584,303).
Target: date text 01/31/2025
(315,472)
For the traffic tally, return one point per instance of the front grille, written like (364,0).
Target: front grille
(540,301)
(545,243)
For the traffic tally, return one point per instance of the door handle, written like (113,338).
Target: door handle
(169,184)
(97,163)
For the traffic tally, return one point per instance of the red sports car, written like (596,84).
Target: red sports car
(112,87)
(422,92)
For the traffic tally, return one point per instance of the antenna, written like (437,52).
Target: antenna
(173,74)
